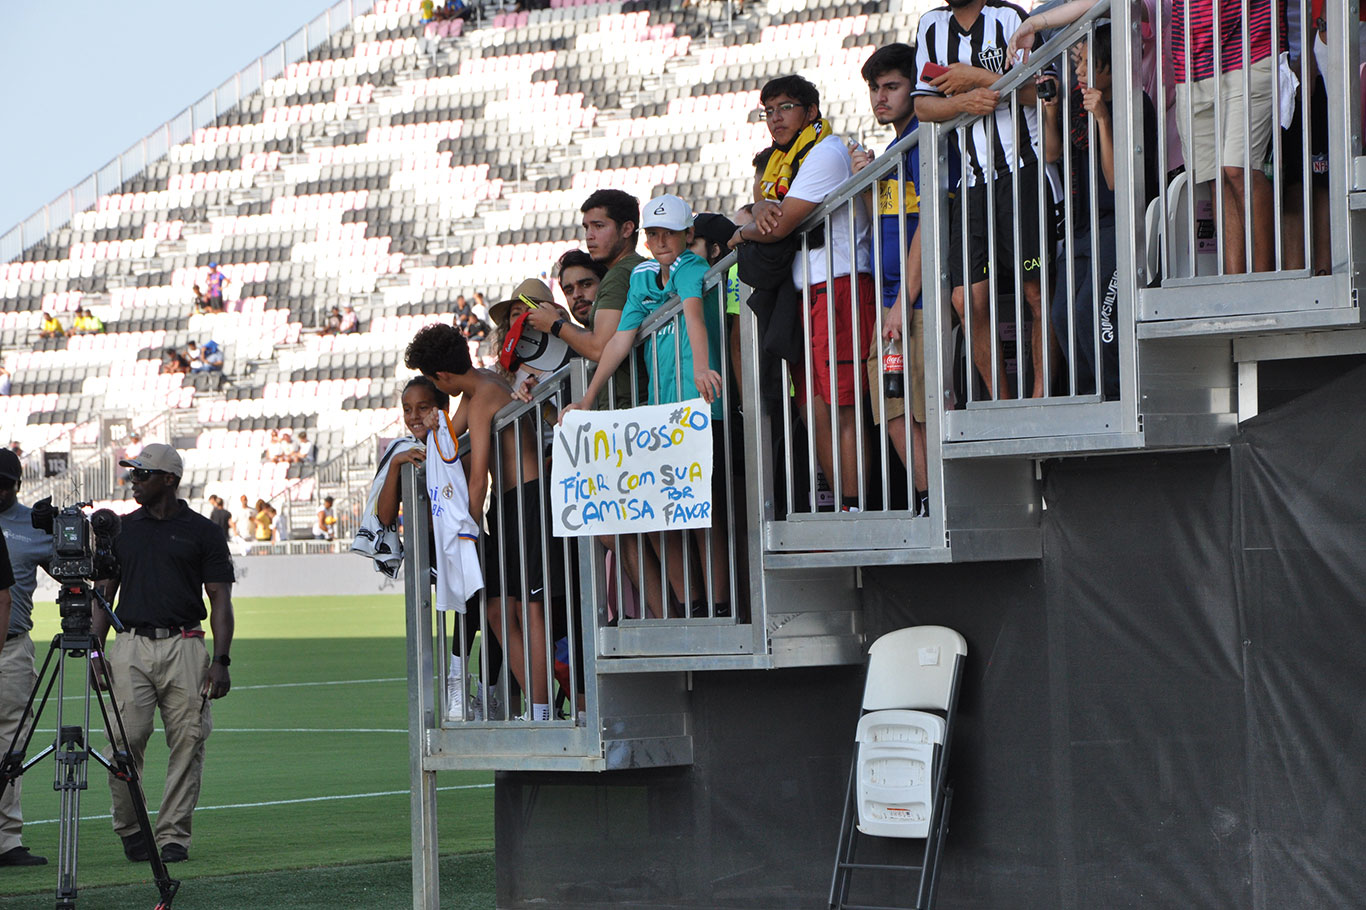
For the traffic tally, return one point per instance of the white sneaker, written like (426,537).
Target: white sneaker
(455,697)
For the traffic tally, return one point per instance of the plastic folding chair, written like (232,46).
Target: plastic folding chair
(898,781)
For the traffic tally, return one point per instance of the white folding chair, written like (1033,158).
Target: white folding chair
(897,785)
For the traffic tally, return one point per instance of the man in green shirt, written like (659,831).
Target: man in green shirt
(611,228)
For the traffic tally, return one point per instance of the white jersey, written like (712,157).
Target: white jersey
(458,576)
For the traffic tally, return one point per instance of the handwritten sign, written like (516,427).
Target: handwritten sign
(633,470)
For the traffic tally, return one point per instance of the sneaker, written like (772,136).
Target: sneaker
(455,697)
(19,856)
(496,709)
(174,853)
(477,703)
(135,848)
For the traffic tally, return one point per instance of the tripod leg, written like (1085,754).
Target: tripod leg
(12,764)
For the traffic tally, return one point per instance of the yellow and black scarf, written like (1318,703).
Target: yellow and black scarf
(782,165)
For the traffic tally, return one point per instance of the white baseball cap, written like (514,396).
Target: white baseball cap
(669,212)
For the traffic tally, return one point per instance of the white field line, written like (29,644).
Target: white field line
(280,802)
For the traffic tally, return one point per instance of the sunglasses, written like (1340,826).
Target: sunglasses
(143,474)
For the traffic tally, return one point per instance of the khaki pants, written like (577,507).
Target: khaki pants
(17,676)
(166,674)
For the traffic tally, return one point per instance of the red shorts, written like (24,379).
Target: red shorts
(848,360)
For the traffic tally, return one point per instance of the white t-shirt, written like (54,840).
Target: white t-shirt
(458,574)
(825,168)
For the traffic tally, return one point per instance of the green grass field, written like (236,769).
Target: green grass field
(307,769)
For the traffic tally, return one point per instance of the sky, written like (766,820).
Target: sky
(81,81)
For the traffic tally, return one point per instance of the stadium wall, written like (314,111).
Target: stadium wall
(330,575)
(1164,711)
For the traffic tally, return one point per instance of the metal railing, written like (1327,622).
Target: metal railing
(1266,197)
(828,464)
(1035,304)
(683,593)
(524,646)
(156,144)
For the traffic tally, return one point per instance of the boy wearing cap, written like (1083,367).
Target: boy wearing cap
(676,370)
(169,557)
(675,270)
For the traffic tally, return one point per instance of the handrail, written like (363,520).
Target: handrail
(1014,78)
(158,143)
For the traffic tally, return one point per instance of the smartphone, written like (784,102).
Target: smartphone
(931,71)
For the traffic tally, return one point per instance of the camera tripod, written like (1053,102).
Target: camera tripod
(71,747)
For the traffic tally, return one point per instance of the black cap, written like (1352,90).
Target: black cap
(10,469)
(714,228)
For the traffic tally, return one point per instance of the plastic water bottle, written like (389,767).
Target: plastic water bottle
(893,371)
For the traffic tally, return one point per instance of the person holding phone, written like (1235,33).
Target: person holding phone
(962,49)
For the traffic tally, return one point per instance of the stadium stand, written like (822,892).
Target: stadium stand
(394,167)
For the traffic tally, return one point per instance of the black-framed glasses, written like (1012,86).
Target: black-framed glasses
(766,113)
(143,474)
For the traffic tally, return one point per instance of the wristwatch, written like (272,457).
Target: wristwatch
(223,659)
(556,326)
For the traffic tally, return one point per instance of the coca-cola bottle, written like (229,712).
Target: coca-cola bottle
(893,372)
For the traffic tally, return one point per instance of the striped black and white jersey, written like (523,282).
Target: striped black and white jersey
(943,41)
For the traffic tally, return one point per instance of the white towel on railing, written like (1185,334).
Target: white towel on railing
(382,543)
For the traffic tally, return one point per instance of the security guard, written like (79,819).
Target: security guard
(167,555)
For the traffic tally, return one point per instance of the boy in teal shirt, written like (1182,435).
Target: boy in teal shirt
(675,270)
(676,373)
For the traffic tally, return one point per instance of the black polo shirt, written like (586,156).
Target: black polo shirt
(164,564)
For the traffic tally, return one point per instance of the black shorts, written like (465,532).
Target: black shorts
(1006,219)
(1292,141)
(519,515)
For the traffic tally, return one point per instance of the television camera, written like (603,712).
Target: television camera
(82,550)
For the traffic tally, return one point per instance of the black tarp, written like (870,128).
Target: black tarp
(1164,711)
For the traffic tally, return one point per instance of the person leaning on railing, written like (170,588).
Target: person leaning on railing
(1092,100)
(611,228)
(442,354)
(581,278)
(960,54)
(805,165)
(1204,85)
(891,76)
(675,271)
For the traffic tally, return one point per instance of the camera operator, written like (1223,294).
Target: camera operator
(24,549)
(166,552)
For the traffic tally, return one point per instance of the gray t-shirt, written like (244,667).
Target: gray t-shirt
(27,548)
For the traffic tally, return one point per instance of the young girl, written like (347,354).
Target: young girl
(419,399)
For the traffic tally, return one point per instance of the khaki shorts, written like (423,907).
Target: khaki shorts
(915,353)
(1195,114)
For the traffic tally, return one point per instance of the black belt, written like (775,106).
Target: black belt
(165,632)
(13,635)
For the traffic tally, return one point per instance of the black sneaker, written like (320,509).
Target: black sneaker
(135,848)
(174,853)
(19,856)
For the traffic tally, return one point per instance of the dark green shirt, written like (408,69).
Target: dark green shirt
(612,296)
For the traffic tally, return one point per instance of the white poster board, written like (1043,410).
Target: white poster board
(634,470)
